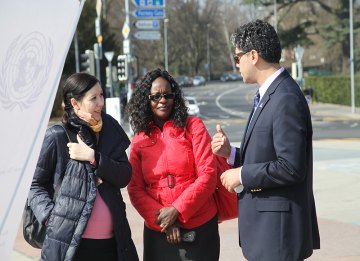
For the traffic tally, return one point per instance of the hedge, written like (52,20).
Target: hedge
(333,89)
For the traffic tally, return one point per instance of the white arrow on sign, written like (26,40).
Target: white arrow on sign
(147,24)
(148,35)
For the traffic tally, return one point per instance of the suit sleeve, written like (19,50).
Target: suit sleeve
(290,133)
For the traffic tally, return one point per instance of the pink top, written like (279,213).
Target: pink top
(100,224)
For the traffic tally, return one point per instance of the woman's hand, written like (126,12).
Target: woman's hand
(98,181)
(81,151)
(173,234)
(166,217)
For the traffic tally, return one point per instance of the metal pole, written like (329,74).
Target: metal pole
(166,44)
(111,79)
(275,15)
(352,58)
(130,76)
(227,37)
(129,55)
(76,45)
(208,50)
(97,61)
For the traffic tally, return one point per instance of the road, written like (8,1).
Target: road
(230,104)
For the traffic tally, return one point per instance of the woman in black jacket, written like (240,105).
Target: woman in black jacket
(88,219)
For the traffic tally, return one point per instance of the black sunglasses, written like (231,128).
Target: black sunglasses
(158,96)
(238,56)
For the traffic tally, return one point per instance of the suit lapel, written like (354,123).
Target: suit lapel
(262,106)
(243,138)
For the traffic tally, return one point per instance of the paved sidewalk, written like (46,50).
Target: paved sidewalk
(333,112)
(337,196)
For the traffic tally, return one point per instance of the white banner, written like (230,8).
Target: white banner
(35,39)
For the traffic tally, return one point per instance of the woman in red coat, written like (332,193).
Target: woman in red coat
(174,173)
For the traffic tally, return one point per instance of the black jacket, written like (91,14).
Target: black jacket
(77,193)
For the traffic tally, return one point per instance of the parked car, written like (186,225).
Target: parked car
(184,81)
(193,106)
(198,80)
(235,76)
(225,77)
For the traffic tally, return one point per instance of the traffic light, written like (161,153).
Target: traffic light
(122,67)
(88,62)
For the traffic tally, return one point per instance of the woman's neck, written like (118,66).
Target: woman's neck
(160,123)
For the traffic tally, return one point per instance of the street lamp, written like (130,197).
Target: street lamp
(352,80)
(166,44)
(275,15)
(208,50)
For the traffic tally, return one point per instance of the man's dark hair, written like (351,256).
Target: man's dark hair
(139,109)
(260,36)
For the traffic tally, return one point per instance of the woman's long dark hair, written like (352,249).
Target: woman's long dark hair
(76,87)
(139,110)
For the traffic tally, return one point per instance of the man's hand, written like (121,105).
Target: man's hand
(230,179)
(81,151)
(220,144)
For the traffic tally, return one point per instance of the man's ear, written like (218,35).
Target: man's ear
(254,56)
(75,104)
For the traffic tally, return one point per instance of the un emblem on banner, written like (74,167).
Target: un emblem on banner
(25,70)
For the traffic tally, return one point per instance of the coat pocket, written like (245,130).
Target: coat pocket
(272,206)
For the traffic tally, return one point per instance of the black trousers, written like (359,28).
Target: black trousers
(96,250)
(206,246)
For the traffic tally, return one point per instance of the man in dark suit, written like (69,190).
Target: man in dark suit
(273,168)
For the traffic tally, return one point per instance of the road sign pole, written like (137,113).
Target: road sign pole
(97,61)
(109,56)
(352,70)
(130,75)
(166,44)
(76,45)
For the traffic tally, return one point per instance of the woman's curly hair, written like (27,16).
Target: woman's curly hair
(139,110)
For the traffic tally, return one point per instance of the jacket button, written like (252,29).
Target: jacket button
(255,190)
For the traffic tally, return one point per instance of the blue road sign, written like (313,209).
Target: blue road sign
(149,3)
(149,13)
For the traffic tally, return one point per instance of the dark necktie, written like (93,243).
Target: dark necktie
(256,103)
(256,99)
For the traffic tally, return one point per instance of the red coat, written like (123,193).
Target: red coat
(174,167)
